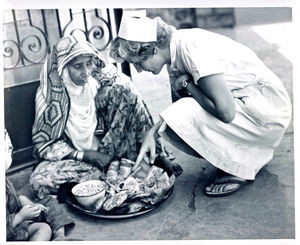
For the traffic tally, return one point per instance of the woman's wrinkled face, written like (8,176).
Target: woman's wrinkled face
(80,69)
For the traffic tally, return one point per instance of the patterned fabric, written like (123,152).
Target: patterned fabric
(123,120)
(52,100)
(49,175)
(126,120)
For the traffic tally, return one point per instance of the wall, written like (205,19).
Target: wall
(257,16)
(195,17)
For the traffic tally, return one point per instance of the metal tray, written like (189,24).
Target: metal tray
(115,213)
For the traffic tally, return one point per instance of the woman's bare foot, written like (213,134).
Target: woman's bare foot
(170,167)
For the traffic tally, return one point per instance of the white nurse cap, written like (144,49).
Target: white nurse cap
(135,26)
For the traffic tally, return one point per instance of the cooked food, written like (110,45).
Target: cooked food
(112,172)
(142,170)
(152,175)
(136,206)
(163,181)
(124,171)
(114,165)
(127,162)
(89,188)
(129,190)
(132,186)
(99,204)
(115,201)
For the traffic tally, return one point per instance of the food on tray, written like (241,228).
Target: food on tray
(112,172)
(115,201)
(132,186)
(125,167)
(127,162)
(90,188)
(99,203)
(87,193)
(130,191)
(163,181)
(135,206)
(142,171)
(152,175)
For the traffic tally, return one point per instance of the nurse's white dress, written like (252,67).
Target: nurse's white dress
(263,108)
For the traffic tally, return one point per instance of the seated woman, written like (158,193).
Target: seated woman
(87,114)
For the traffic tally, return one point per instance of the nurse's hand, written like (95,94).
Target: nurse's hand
(148,148)
(147,151)
(177,84)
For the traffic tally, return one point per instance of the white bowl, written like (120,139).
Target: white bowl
(88,192)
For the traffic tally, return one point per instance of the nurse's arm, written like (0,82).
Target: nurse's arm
(212,93)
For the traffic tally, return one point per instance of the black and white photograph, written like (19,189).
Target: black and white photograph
(136,123)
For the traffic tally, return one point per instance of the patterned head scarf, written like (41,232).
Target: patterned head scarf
(66,49)
(52,102)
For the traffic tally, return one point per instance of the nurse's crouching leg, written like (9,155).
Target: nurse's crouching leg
(224,184)
(176,141)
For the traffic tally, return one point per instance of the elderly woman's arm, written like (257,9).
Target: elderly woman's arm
(96,158)
(56,151)
(62,151)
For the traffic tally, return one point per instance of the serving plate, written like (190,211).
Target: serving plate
(116,213)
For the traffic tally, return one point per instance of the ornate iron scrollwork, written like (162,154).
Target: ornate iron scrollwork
(29,46)
(98,34)
(11,54)
(33,49)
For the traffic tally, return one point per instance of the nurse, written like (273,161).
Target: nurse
(228,106)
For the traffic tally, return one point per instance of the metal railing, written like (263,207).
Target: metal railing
(28,36)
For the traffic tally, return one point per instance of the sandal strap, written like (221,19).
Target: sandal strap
(229,180)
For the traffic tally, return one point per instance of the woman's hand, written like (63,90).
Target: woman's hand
(99,159)
(101,98)
(177,84)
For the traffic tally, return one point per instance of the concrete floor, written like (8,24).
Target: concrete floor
(264,209)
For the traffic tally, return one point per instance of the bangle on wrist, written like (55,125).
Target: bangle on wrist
(75,154)
(79,155)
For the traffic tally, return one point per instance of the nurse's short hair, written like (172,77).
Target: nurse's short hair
(131,51)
